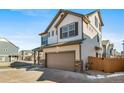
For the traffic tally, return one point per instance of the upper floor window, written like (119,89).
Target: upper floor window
(99,27)
(48,34)
(111,51)
(5,50)
(96,21)
(97,55)
(69,30)
(44,40)
(98,39)
(52,33)
(65,32)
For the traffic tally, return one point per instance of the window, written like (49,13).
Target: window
(99,27)
(5,50)
(111,51)
(96,22)
(65,31)
(97,38)
(69,30)
(44,40)
(97,55)
(52,33)
(48,34)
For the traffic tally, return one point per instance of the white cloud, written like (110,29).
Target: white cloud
(33,12)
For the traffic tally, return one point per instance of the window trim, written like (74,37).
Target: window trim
(96,22)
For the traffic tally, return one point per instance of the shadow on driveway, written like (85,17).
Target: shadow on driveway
(19,65)
(61,76)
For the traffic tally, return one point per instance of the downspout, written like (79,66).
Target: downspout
(57,34)
(81,61)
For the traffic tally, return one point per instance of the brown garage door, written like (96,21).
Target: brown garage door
(64,61)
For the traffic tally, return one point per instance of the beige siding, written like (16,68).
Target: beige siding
(53,39)
(88,45)
(92,21)
(75,48)
(67,20)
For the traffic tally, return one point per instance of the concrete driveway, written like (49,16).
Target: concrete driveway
(18,75)
(12,75)
(35,74)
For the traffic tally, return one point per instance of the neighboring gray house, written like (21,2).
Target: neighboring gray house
(8,51)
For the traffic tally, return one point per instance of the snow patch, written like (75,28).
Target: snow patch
(93,77)
(116,74)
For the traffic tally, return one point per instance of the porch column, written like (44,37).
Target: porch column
(10,58)
(38,57)
(22,55)
(34,57)
(17,58)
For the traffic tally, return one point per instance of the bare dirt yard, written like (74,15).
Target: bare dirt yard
(21,72)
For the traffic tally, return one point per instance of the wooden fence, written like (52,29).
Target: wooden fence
(106,64)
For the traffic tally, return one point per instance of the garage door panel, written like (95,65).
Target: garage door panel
(63,61)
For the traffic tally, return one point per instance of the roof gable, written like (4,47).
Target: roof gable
(72,13)
(54,19)
(63,16)
(99,15)
(7,41)
(84,17)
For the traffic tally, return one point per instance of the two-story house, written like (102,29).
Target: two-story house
(70,38)
(8,51)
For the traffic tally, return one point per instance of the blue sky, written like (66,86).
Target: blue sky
(23,26)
